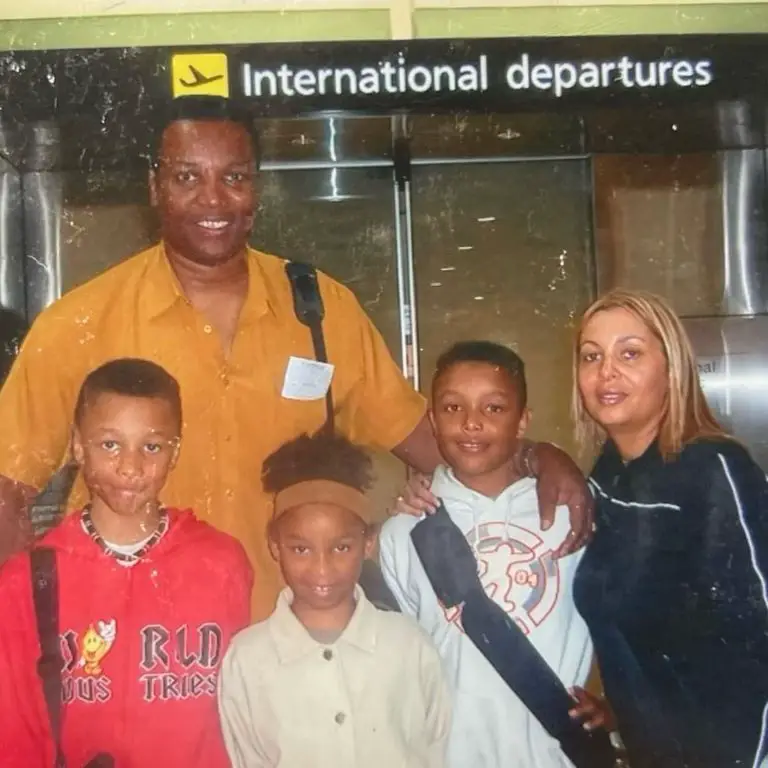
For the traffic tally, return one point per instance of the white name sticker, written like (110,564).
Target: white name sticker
(306,379)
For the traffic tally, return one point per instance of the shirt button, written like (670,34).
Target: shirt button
(340,717)
(327,654)
(207,328)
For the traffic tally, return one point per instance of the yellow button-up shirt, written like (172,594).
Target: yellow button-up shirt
(234,411)
(375,698)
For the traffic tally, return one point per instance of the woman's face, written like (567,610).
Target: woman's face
(622,373)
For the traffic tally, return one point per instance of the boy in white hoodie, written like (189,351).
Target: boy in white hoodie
(479,415)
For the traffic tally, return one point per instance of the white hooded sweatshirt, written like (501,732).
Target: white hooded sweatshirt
(491,727)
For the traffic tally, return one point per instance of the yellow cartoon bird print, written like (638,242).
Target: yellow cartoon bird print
(95,644)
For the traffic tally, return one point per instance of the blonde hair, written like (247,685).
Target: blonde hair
(687,415)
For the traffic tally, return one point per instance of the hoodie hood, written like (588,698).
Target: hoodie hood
(71,538)
(515,505)
(453,491)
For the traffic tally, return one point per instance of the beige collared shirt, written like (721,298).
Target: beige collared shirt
(375,698)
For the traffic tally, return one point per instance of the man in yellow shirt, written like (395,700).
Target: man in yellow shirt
(219,317)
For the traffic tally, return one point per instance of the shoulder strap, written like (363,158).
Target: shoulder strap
(308,305)
(451,568)
(45,593)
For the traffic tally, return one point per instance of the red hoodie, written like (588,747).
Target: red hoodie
(141,647)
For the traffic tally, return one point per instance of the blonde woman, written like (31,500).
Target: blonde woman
(673,585)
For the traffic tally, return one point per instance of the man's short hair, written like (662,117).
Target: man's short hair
(485,352)
(130,377)
(204,108)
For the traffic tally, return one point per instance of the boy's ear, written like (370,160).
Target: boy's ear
(76,445)
(431,417)
(525,420)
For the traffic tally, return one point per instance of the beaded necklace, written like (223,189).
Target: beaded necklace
(124,559)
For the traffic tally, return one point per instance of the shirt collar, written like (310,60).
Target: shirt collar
(161,289)
(293,641)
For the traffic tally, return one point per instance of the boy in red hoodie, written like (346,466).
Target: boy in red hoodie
(148,599)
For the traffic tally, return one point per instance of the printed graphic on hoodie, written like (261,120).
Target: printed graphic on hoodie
(95,645)
(197,650)
(518,572)
(83,654)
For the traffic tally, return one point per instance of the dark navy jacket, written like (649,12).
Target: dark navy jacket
(673,588)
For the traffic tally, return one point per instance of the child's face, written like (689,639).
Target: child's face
(321,548)
(478,421)
(126,446)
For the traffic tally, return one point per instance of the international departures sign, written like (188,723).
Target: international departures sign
(498,74)
(380,77)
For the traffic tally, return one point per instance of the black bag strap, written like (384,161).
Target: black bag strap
(45,594)
(308,305)
(451,568)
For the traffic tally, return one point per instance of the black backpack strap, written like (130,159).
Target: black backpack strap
(451,568)
(102,760)
(45,594)
(308,305)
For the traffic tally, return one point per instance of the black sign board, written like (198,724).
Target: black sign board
(420,76)
(597,94)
